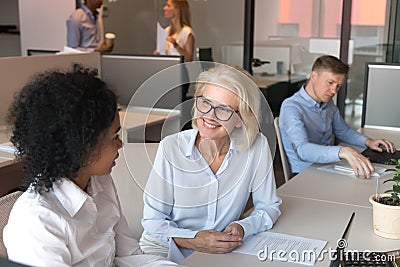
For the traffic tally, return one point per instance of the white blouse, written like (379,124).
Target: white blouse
(183,196)
(180,37)
(69,227)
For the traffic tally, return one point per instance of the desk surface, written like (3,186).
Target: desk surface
(6,158)
(331,187)
(137,117)
(140,123)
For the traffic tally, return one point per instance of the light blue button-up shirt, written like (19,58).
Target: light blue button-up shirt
(308,130)
(183,196)
(84,29)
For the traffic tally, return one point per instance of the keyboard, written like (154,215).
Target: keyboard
(381,157)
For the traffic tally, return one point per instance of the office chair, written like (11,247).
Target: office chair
(287,173)
(6,204)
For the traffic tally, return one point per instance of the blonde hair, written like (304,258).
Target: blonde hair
(239,82)
(184,14)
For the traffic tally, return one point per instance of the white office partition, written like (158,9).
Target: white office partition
(15,72)
(381,96)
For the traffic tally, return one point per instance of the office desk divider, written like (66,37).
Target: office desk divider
(15,72)
(123,73)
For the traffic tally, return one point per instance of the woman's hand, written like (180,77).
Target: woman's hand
(172,40)
(211,241)
(235,229)
(104,48)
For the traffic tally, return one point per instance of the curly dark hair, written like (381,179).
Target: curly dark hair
(56,121)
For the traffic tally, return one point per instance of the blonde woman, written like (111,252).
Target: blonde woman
(180,40)
(202,178)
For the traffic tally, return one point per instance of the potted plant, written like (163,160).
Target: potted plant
(386,207)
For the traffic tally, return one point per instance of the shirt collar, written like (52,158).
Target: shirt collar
(191,145)
(192,141)
(72,197)
(309,100)
(89,13)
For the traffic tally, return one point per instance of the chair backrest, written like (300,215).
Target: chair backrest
(6,204)
(287,173)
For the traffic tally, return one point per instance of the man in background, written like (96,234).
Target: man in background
(85,28)
(309,122)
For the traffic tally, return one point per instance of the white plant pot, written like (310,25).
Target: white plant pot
(386,219)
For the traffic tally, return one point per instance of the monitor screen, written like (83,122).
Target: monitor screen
(381,96)
(125,74)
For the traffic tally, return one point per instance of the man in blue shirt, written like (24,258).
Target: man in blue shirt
(85,28)
(309,121)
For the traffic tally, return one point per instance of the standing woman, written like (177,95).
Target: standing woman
(180,40)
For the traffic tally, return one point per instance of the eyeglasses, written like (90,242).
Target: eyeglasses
(222,113)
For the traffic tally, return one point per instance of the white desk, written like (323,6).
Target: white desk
(6,157)
(331,187)
(152,124)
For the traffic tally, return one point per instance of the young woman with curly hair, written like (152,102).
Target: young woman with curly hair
(66,132)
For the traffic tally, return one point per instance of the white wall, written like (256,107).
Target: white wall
(42,23)
(217,24)
(266,11)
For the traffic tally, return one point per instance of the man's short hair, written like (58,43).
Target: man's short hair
(330,63)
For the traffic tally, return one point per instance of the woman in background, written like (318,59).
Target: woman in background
(180,40)
(66,132)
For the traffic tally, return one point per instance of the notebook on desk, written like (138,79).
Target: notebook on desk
(381,157)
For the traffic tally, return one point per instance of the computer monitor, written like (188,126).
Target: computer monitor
(125,74)
(381,96)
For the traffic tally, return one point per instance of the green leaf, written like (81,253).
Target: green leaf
(396,188)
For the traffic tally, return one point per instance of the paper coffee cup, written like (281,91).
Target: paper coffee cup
(109,38)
